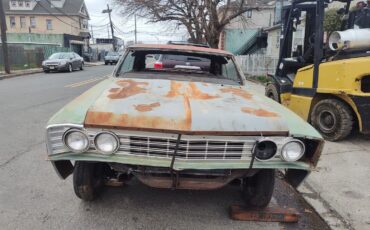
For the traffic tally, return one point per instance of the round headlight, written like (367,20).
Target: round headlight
(106,143)
(76,141)
(292,150)
(265,150)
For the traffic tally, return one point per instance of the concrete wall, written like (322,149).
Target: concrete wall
(69,27)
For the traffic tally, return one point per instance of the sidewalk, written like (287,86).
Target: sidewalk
(339,188)
(17,73)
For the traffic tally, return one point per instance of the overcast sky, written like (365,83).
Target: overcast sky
(147,33)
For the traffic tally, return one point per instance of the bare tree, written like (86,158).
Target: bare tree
(204,20)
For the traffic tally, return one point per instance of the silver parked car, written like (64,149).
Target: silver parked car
(111,58)
(63,61)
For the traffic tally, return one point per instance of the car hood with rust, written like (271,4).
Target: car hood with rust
(180,106)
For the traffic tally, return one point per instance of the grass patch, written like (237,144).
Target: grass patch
(260,78)
(19,67)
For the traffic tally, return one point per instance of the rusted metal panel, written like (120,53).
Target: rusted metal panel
(182,48)
(157,104)
(269,214)
(188,182)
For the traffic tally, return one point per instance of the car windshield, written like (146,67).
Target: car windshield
(112,54)
(59,56)
(193,65)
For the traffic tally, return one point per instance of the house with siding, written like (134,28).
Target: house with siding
(34,23)
(244,34)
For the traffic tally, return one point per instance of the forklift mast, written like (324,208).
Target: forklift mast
(312,52)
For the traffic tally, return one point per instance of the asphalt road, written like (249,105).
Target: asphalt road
(33,197)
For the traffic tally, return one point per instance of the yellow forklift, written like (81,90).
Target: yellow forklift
(327,86)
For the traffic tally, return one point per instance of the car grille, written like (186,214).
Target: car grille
(52,63)
(161,145)
(189,148)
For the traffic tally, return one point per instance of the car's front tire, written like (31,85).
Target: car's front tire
(70,68)
(88,180)
(106,63)
(257,190)
(82,66)
(46,71)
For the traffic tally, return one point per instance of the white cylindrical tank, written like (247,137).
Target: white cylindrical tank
(350,39)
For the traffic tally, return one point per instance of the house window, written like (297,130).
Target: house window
(33,22)
(14,3)
(28,4)
(12,22)
(23,22)
(49,24)
(85,24)
(248,13)
(20,3)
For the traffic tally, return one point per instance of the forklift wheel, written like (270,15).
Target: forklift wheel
(333,119)
(271,92)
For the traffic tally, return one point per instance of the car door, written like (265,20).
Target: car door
(74,61)
(78,59)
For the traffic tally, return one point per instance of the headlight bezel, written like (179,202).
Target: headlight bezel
(68,132)
(261,141)
(289,141)
(104,152)
(62,62)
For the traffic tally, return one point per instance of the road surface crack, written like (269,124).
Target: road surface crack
(19,154)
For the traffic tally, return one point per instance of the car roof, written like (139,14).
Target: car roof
(180,48)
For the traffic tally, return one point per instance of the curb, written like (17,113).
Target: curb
(12,75)
(29,72)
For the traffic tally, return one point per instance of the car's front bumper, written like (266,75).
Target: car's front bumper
(182,164)
(55,67)
(111,61)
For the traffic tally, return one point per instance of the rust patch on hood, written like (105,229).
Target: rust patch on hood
(129,88)
(188,92)
(238,92)
(196,93)
(259,112)
(108,119)
(147,107)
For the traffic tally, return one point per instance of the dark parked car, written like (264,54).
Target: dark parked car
(64,61)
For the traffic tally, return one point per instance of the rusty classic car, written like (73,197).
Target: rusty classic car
(182,127)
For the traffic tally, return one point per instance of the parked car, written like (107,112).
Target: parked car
(180,127)
(63,61)
(111,58)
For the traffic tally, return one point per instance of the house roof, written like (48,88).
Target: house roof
(70,7)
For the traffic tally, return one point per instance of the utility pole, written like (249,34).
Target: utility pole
(108,31)
(4,43)
(111,25)
(135,30)
(92,34)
